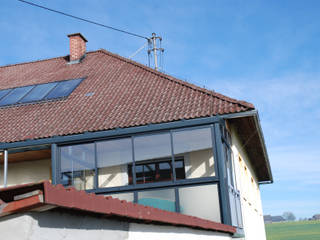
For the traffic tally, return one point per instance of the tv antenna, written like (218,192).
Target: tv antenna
(155,52)
(153,42)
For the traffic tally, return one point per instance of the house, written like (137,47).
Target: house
(267,218)
(316,217)
(277,219)
(271,219)
(113,127)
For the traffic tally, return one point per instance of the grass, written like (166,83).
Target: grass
(302,230)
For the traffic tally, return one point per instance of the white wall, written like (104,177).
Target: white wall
(248,186)
(53,225)
(27,172)
(156,232)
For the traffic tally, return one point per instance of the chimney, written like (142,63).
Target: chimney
(77,47)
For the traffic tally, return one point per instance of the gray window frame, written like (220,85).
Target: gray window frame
(220,178)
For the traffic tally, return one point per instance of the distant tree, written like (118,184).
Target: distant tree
(289,216)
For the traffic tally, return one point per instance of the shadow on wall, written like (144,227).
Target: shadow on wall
(69,219)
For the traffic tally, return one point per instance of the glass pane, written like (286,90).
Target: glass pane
(77,165)
(15,95)
(154,171)
(152,147)
(180,169)
(233,208)
(4,92)
(123,196)
(64,88)
(38,92)
(163,199)
(195,147)
(200,201)
(113,158)
(239,212)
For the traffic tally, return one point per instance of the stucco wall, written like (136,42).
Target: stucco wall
(249,189)
(156,232)
(27,172)
(75,226)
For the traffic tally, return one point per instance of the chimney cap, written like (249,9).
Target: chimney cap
(78,34)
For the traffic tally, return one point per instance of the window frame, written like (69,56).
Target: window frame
(217,148)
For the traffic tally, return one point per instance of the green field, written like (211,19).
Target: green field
(302,230)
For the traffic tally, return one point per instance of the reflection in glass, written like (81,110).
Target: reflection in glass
(200,201)
(15,95)
(4,92)
(77,166)
(123,196)
(113,157)
(157,171)
(195,146)
(152,147)
(38,92)
(64,88)
(163,199)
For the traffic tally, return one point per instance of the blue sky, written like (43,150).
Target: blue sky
(264,52)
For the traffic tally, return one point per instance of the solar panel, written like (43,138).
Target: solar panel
(64,88)
(15,95)
(38,92)
(4,92)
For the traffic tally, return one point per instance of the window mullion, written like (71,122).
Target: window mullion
(134,180)
(177,198)
(96,178)
(172,158)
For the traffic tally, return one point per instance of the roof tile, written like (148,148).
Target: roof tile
(125,94)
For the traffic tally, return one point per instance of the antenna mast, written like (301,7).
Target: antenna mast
(156,51)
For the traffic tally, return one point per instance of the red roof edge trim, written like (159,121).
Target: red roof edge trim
(33,196)
(27,203)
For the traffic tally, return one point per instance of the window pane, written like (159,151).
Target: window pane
(77,165)
(200,201)
(239,212)
(113,157)
(163,199)
(64,89)
(233,208)
(4,92)
(195,147)
(38,92)
(15,95)
(180,169)
(152,147)
(123,196)
(157,171)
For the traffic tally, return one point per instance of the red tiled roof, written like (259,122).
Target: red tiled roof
(30,197)
(126,94)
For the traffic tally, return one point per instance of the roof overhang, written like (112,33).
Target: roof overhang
(249,130)
(44,196)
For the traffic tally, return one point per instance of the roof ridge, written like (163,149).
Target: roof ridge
(179,81)
(42,60)
(163,75)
